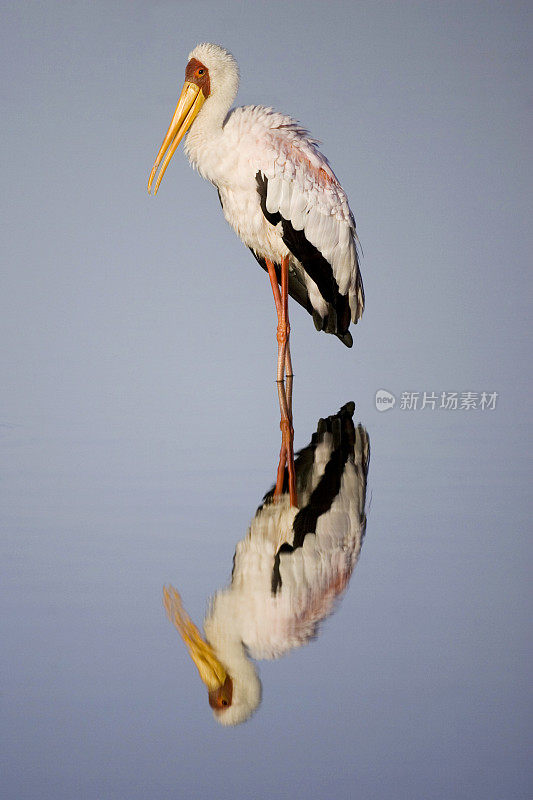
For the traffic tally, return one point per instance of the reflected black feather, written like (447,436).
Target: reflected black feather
(341,426)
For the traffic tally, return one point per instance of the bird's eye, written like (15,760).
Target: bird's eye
(224,702)
(201,71)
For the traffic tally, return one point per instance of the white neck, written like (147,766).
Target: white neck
(222,630)
(203,138)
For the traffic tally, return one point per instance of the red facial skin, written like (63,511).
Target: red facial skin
(220,699)
(197,73)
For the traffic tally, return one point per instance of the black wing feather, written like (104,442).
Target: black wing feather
(317,267)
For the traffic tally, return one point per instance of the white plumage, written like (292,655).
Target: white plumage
(252,155)
(293,564)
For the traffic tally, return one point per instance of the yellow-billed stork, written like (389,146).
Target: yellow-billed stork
(276,188)
(287,572)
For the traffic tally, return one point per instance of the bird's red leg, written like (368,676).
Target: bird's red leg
(281,335)
(285,327)
(288,395)
(286,409)
(288,363)
(278,489)
(277,300)
(282,308)
(290,449)
(274,283)
(286,456)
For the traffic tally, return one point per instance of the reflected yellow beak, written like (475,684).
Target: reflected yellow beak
(189,104)
(211,670)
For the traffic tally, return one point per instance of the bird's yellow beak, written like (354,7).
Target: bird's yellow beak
(211,670)
(189,104)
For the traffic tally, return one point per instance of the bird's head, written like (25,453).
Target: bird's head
(212,76)
(233,697)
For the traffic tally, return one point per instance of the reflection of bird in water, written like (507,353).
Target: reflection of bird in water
(279,194)
(287,571)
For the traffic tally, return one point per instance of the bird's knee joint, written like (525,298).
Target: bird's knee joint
(286,428)
(282,333)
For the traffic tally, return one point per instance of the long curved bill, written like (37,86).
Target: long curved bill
(189,104)
(210,668)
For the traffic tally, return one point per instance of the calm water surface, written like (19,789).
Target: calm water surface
(139,422)
(415,687)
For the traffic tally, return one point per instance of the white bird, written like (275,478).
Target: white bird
(287,572)
(277,191)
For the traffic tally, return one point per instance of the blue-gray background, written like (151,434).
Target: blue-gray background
(140,421)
